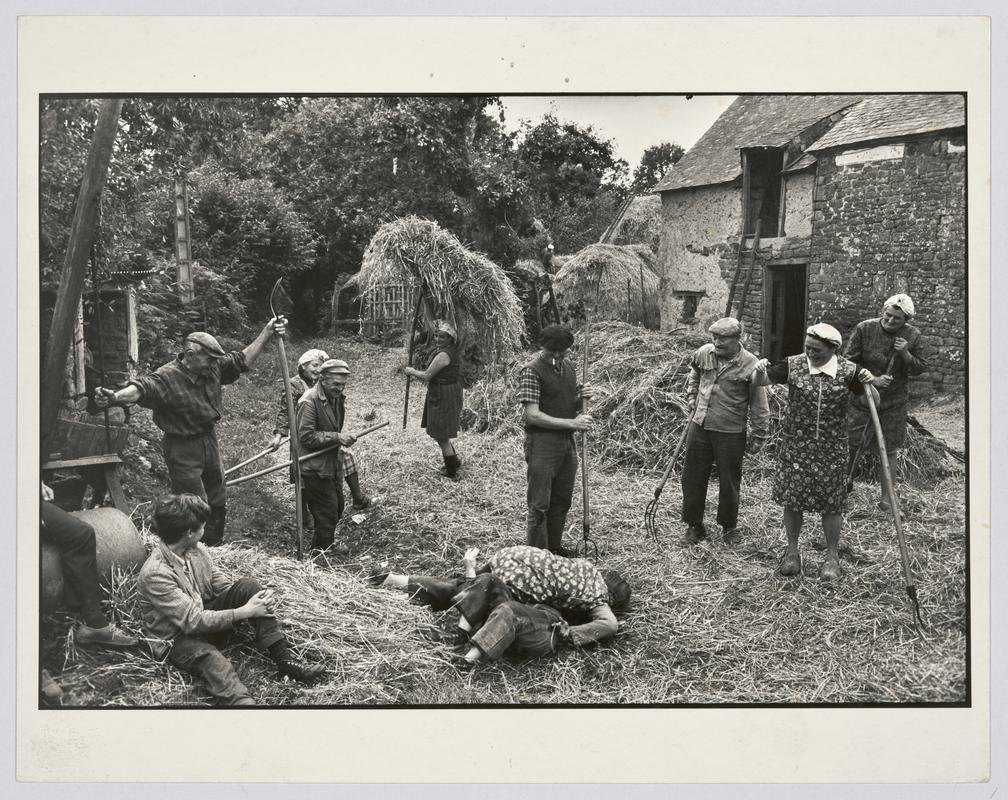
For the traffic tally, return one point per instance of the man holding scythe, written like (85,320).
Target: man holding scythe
(185,396)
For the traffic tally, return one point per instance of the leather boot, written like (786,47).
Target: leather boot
(213,534)
(451,466)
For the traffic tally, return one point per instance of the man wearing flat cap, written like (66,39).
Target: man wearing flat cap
(722,399)
(319,419)
(551,398)
(185,396)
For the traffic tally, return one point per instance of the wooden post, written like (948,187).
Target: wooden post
(75,265)
(183,242)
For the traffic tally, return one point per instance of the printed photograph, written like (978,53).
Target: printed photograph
(503,401)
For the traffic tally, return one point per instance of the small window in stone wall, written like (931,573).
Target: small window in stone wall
(690,302)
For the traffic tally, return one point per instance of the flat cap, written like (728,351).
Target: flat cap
(556,337)
(726,326)
(207,342)
(336,365)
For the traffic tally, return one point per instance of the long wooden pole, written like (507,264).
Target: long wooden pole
(74,266)
(412,344)
(585,522)
(298,513)
(908,579)
(305,457)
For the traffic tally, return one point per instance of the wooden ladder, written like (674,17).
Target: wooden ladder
(750,266)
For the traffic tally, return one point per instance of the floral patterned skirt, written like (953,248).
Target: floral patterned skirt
(812,473)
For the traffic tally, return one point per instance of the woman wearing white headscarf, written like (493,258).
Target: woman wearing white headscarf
(812,456)
(443,405)
(890,348)
(309,367)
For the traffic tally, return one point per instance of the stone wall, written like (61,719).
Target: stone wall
(887,219)
(698,226)
(797,201)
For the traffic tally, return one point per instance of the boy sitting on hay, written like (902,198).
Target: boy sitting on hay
(189,605)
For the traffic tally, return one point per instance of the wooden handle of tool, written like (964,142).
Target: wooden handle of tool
(256,457)
(672,461)
(305,457)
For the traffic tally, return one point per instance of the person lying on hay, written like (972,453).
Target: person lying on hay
(722,398)
(185,396)
(319,418)
(309,369)
(812,458)
(552,402)
(189,606)
(443,405)
(532,576)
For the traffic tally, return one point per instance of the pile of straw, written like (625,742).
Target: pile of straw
(464,286)
(371,641)
(605,280)
(640,223)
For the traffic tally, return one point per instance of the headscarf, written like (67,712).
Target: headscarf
(902,302)
(825,333)
(312,355)
(444,326)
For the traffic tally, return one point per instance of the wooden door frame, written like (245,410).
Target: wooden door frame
(767,288)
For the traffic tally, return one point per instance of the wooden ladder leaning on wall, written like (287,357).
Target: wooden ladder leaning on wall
(750,266)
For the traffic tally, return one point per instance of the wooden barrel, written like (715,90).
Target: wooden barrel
(117,543)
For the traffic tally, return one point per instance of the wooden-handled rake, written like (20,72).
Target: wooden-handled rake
(652,507)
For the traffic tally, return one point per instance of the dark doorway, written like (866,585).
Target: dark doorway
(786,306)
(762,189)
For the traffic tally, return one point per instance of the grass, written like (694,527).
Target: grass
(708,624)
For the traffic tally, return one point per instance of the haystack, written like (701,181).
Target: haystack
(606,279)
(462,285)
(640,223)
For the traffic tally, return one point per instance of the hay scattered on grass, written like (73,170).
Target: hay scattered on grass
(605,279)
(466,286)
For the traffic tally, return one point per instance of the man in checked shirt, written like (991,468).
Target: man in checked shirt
(721,398)
(185,396)
(552,401)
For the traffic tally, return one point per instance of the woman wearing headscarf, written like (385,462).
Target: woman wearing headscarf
(443,405)
(812,457)
(890,348)
(309,367)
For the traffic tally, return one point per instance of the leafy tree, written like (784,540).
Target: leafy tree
(655,162)
(573,176)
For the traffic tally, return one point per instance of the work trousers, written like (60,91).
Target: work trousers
(202,657)
(526,630)
(324,496)
(75,540)
(195,467)
(703,448)
(552,468)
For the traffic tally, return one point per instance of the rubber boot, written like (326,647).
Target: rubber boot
(213,534)
(451,466)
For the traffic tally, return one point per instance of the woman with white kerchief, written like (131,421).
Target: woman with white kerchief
(891,349)
(812,456)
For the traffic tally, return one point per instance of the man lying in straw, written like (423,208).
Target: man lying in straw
(189,605)
(551,399)
(533,576)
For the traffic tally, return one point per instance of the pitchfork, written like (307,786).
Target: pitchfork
(652,507)
(587,544)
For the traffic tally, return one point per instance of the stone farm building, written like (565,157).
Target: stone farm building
(855,198)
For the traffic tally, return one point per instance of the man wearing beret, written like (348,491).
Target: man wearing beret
(185,396)
(722,398)
(319,419)
(552,401)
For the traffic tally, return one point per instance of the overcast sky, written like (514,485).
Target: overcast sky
(633,122)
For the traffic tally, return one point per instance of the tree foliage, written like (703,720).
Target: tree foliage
(655,162)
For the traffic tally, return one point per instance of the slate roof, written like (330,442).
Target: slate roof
(751,121)
(888,116)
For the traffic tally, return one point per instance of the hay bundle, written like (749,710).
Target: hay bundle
(640,223)
(459,284)
(605,279)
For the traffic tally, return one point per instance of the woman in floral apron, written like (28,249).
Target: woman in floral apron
(812,458)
